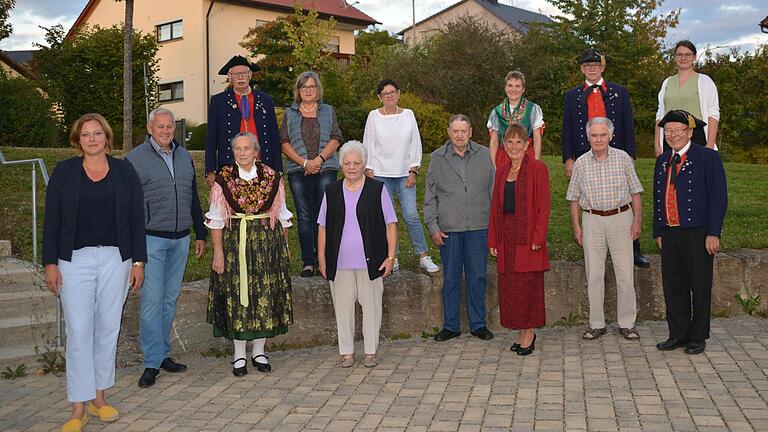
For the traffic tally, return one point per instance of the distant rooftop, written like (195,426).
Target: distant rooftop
(20,57)
(515,17)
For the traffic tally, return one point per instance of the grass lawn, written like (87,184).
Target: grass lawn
(746,225)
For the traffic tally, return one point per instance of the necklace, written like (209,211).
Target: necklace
(512,171)
(351,187)
(397,109)
(313,107)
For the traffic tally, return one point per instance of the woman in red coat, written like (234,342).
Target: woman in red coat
(517,237)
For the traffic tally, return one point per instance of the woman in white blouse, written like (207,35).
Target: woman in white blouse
(690,91)
(250,292)
(393,144)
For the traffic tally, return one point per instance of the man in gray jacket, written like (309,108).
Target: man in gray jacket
(457,203)
(171,207)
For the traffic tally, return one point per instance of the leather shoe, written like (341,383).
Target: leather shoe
(641,261)
(670,344)
(529,349)
(240,371)
(695,347)
(148,377)
(261,367)
(515,347)
(483,333)
(170,365)
(446,334)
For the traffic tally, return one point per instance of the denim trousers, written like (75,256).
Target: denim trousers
(407,198)
(93,292)
(163,274)
(464,252)
(307,191)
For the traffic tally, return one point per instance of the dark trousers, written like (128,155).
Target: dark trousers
(686,273)
(464,252)
(308,191)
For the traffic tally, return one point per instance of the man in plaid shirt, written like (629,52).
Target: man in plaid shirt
(604,192)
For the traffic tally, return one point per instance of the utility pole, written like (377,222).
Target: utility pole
(413,29)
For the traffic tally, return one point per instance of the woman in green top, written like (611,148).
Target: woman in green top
(690,91)
(515,109)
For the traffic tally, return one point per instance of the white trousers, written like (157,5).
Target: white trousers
(612,234)
(95,286)
(353,286)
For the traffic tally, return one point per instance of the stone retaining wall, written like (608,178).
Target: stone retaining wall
(412,303)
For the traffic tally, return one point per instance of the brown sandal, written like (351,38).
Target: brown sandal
(592,334)
(629,333)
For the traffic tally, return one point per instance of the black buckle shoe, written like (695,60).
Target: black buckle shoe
(170,365)
(695,347)
(148,378)
(261,367)
(483,333)
(671,344)
(446,334)
(240,371)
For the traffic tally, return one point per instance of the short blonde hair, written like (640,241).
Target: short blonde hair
(74,136)
(515,75)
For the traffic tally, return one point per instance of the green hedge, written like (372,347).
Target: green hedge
(197,141)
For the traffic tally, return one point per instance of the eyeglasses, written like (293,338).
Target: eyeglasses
(240,74)
(389,93)
(308,87)
(674,132)
(684,55)
(591,65)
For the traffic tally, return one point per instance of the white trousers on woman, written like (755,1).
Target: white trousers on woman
(352,286)
(94,289)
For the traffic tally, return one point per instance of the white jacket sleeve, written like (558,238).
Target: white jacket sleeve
(415,150)
(369,139)
(708,98)
(662,110)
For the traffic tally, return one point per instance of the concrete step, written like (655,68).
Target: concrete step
(27,332)
(17,275)
(5,249)
(31,302)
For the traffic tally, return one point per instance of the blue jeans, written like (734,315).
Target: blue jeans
(307,191)
(163,274)
(467,251)
(407,198)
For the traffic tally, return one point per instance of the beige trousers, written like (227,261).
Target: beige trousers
(612,234)
(353,286)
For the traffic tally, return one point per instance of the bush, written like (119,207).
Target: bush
(26,115)
(197,141)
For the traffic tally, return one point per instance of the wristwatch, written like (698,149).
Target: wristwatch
(138,264)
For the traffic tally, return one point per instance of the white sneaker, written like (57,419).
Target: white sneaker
(427,264)
(396,265)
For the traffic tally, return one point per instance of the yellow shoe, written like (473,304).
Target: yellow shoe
(75,425)
(107,413)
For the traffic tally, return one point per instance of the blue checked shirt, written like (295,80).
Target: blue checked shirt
(603,185)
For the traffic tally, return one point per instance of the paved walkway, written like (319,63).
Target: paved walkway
(464,384)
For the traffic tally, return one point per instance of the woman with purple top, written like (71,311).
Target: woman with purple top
(356,242)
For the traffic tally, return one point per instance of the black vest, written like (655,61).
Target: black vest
(370,217)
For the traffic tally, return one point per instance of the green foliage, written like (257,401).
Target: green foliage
(84,73)
(571,320)
(367,43)
(51,360)
(722,313)
(5,10)
(430,333)
(286,47)
(218,352)
(750,304)
(197,141)
(26,115)
(400,336)
(19,371)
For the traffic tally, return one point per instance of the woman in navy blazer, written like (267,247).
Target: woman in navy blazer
(93,249)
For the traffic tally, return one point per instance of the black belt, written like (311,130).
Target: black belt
(610,212)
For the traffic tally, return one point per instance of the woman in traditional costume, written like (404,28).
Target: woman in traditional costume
(250,292)
(515,109)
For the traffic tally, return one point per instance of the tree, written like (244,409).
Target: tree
(26,115)
(127,76)
(84,73)
(287,47)
(5,10)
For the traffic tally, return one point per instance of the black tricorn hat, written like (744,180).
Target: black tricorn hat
(238,61)
(592,55)
(681,116)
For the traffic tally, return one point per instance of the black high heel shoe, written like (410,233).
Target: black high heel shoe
(240,371)
(528,350)
(515,347)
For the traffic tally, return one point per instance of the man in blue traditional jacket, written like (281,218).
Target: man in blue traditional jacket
(597,97)
(690,198)
(236,110)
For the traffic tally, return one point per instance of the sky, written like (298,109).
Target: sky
(721,25)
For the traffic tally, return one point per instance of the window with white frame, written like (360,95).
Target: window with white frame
(333,44)
(172,91)
(170,31)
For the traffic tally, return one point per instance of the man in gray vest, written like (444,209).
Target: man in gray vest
(171,207)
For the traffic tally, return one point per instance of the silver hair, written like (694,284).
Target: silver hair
(351,147)
(160,111)
(303,77)
(254,140)
(601,120)
(459,117)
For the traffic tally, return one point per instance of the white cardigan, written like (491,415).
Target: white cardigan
(708,100)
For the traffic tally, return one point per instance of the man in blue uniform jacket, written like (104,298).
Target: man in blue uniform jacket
(597,97)
(236,110)
(690,198)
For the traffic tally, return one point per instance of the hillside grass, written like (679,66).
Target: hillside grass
(746,224)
